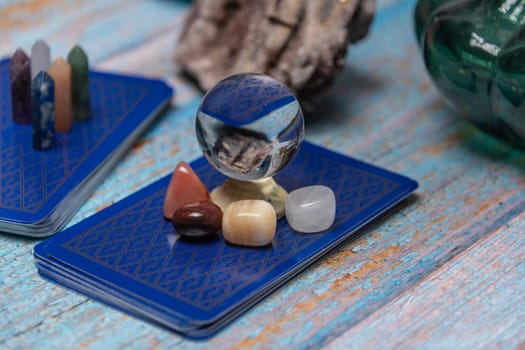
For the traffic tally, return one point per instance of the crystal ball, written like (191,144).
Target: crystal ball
(249,126)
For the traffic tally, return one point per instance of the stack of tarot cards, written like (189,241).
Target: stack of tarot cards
(129,257)
(41,190)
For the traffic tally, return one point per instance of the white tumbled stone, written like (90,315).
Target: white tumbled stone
(250,222)
(310,209)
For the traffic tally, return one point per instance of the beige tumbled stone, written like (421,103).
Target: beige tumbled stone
(249,223)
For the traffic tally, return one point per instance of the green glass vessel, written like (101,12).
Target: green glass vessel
(474,50)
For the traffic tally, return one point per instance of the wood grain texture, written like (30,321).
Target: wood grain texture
(484,286)
(371,287)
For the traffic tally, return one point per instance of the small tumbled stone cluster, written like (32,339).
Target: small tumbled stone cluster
(248,222)
(49,95)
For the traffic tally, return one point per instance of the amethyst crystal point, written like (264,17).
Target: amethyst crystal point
(40,57)
(20,74)
(43,94)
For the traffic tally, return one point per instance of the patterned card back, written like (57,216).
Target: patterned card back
(129,245)
(33,183)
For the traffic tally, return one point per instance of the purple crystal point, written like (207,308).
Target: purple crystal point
(20,74)
(43,94)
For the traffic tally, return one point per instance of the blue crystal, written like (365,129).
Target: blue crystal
(249,126)
(43,101)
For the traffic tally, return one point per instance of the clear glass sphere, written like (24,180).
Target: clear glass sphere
(249,126)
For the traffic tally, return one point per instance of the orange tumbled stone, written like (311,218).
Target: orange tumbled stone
(184,187)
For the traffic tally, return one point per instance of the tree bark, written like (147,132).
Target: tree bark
(302,43)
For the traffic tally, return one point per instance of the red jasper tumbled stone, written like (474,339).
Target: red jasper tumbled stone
(197,219)
(184,187)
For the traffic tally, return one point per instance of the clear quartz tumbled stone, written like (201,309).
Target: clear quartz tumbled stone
(310,209)
(249,126)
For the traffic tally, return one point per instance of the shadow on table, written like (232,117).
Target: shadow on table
(484,145)
(337,103)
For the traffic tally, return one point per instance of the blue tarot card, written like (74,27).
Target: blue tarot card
(127,255)
(41,190)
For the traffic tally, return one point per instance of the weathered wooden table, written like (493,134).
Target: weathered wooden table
(445,270)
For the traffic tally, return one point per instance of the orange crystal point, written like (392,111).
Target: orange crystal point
(60,71)
(184,187)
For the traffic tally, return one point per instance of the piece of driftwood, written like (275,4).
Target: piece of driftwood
(302,43)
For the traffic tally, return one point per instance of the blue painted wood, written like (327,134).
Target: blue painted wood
(382,109)
(474,302)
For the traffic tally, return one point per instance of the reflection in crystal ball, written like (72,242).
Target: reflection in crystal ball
(249,126)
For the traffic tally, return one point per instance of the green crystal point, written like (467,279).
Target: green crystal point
(81,99)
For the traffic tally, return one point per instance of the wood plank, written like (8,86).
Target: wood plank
(474,302)
(383,109)
(103,28)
